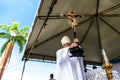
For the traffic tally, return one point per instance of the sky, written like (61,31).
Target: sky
(22,11)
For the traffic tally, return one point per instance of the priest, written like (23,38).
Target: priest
(68,68)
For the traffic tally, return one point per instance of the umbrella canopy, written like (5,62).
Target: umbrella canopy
(99,28)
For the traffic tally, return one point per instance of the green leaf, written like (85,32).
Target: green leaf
(14,26)
(24,28)
(3,47)
(20,41)
(5,27)
(4,35)
(23,34)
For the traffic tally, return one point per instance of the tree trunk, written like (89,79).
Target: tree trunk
(5,58)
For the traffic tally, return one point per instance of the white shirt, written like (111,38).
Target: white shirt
(100,74)
(68,68)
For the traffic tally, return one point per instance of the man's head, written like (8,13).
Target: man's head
(65,41)
(51,76)
(94,67)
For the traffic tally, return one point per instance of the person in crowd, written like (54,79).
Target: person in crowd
(52,77)
(94,67)
(85,69)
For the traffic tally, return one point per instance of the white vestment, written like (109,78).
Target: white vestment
(68,68)
(100,74)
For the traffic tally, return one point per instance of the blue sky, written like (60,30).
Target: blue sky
(22,11)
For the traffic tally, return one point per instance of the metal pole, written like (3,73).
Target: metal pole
(73,22)
(23,69)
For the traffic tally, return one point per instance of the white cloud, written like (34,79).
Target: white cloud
(11,76)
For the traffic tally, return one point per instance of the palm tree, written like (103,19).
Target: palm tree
(13,35)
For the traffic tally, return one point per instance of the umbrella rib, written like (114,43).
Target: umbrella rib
(116,58)
(98,28)
(84,21)
(99,37)
(109,15)
(87,31)
(109,26)
(43,17)
(46,19)
(97,8)
(52,17)
(110,9)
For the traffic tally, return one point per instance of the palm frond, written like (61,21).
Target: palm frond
(20,44)
(24,28)
(3,47)
(23,34)
(5,27)
(21,38)
(14,26)
(4,35)
(20,41)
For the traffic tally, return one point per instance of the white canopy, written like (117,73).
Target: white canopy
(99,28)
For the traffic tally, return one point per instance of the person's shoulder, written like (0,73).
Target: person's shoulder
(59,50)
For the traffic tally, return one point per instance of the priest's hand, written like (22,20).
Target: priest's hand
(73,45)
(76,40)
